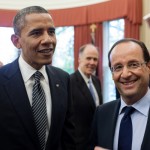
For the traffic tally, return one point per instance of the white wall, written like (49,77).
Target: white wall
(145,29)
(48,4)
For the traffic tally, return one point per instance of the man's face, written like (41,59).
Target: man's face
(37,40)
(88,60)
(131,82)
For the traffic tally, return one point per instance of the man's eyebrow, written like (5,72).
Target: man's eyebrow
(35,30)
(52,28)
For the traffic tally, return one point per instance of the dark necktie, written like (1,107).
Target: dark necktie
(125,132)
(92,90)
(39,109)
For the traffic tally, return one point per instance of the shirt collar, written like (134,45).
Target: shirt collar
(142,105)
(86,79)
(27,70)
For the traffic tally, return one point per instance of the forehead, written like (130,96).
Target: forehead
(90,50)
(38,18)
(127,51)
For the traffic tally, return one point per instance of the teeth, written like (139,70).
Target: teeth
(128,83)
(45,51)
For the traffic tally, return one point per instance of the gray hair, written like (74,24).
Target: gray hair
(82,48)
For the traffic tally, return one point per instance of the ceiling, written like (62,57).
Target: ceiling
(47,4)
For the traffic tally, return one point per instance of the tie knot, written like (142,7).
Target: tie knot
(90,81)
(128,111)
(37,76)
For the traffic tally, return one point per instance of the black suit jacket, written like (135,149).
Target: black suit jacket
(84,107)
(104,125)
(17,128)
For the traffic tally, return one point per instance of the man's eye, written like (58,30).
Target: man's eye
(134,65)
(118,67)
(88,58)
(35,33)
(51,31)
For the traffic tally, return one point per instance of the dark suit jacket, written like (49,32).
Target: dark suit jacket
(104,124)
(84,107)
(17,128)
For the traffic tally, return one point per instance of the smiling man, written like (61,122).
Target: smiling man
(124,124)
(84,102)
(35,101)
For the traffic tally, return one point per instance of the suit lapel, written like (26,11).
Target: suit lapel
(18,98)
(85,91)
(113,120)
(57,100)
(146,143)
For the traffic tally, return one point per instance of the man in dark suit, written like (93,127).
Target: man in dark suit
(34,35)
(84,103)
(130,66)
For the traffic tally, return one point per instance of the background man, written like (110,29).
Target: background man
(84,102)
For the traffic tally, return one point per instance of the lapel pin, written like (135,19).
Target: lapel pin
(57,85)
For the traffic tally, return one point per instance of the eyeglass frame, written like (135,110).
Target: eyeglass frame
(130,67)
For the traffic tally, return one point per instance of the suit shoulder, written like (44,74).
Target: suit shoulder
(95,78)
(73,76)
(57,70)
(76,74)
(9,70)
(109,105)
(107,110)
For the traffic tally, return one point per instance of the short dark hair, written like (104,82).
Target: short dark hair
(145,51)
(19,19)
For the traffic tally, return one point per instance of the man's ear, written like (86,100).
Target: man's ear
(79,60)
(15,40)
(148,65)
(112,76)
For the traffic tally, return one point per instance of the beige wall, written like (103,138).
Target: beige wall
(145,29)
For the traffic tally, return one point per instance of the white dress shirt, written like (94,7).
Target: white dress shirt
(27,72)
(86,79)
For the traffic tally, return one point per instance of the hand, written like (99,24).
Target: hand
(99,148)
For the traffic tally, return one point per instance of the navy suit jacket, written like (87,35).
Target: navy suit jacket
(104,125)
(17,128)
(84,107)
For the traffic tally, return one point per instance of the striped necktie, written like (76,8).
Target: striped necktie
(39,109)
(92,90)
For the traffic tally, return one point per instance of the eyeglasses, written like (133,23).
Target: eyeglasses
(131,66)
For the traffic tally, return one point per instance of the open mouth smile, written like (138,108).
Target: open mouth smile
(129,83)
(45,50)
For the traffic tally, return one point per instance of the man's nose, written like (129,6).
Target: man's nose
(125,72)
(47,38)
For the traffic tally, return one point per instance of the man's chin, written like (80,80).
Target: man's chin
(88,74)
(48,62)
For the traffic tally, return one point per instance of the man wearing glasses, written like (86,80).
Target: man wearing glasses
(124,124)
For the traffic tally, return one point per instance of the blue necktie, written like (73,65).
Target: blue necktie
(125,132)
(92,90)
(39,109)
